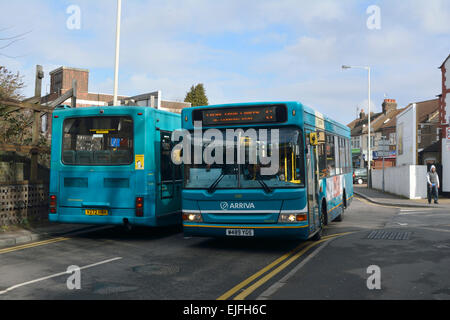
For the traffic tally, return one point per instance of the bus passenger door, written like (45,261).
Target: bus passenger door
(166,183)
(313,186)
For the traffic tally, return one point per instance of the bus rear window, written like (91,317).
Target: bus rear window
(98,141)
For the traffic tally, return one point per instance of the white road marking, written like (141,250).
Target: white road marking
(56,275)
(410,212)
(280,283)
(435,229)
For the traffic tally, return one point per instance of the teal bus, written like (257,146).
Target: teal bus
(111,165)
(311,186)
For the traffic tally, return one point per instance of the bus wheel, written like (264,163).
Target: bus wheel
(126,225)
(340,217)
(318,234)
(344,199)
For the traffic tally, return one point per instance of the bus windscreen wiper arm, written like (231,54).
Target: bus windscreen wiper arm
(213,186)
(267,189)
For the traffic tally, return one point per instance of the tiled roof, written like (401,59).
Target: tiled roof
(445,61)
(426,108)
(380,121)
(357,126)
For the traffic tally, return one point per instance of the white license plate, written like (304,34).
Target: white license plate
(240,232)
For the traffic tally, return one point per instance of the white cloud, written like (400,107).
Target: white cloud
(294,51)
(432,15)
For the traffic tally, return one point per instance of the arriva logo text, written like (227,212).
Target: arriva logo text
(241,205)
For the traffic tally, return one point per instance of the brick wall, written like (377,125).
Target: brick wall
(444,98)
(20,202)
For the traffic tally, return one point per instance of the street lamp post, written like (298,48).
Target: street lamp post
(369,178)
(116,65)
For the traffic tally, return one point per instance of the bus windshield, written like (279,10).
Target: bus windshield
(98,141)
(290,173)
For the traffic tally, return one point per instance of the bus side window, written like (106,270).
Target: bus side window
(343,164)
(337,155)
(322,160)
(347,156)
(166,165)
(331,158)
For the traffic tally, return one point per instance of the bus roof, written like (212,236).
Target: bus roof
(86,111)
(298,105)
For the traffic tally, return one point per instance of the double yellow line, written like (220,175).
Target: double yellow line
(33,244)
(276,266)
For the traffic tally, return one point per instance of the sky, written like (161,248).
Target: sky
(241,50)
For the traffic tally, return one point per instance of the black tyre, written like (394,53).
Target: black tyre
(340,217)
(318,234)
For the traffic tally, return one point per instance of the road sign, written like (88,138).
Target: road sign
(448,133)
(383,154)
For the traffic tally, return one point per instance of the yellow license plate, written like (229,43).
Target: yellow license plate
(96,212)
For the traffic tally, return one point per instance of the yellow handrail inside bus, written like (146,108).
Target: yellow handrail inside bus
(294,165)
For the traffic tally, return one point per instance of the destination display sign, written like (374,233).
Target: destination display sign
(244,115)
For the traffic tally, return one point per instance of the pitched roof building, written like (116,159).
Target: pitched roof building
(444,116)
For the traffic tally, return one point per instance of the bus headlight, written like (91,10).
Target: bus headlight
(292,218)
(192,217)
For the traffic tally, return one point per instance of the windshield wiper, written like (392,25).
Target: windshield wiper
(213,186)
(266,188)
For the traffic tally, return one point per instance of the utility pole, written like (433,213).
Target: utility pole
(369,177)
(74,93)
(116,66)
(369,134)
(36,121)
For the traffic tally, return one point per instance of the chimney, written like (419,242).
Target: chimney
(388,105)
(362,115)
(61,79)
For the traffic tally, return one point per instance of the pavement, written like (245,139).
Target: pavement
(387,199)
(18,235)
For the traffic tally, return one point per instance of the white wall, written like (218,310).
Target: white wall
(406,136)
(408,181)
(446,165)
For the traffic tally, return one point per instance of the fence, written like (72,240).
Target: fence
(26,200)
(22,202)
(408,181)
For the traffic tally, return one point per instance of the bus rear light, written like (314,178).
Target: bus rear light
(52,204)
(139,207)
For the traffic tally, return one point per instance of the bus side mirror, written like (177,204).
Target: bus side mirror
(313,139)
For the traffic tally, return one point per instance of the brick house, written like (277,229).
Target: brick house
(382,124)
(61,82)
(444,117)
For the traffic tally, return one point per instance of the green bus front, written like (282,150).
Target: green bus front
(109,166)
(233,199)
